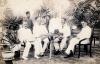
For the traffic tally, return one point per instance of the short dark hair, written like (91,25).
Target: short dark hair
(27,12)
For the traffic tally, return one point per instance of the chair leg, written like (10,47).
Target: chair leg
(8,62)
(74,49)
(86,49)
(94,41)
(79,52)
(90,51)
(99,39)
(17,54)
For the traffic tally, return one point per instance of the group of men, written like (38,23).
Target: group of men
(34,33)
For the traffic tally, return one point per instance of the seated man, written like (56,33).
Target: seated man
(84,34)
(39,32)
(25,35)
(63,27)
(54,27)
(66,33)
(12,43)
(57,38)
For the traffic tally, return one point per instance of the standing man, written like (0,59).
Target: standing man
(84,34)
(29,21)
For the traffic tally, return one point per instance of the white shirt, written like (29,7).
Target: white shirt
(55,23)
(66,30)
(85,32)
(24,34)
(39,30)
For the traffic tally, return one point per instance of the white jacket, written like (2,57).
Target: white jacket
(24,34)
(39,30)
(85,32)
(55,23)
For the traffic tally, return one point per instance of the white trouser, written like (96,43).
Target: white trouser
(27,49)
(56,44)
(46,41)
(38,46)
(73,42)
(16,47)
(63,43)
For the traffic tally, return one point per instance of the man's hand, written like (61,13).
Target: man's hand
(77,37)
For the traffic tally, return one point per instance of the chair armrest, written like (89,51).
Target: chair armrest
(82,40)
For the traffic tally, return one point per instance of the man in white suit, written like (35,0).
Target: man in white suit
(62,27)
(84,34)
(25,35)
(39,34)
(66,33)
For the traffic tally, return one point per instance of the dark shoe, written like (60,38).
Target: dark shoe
(56,52)
(40,55)
(17,55)
(62,52)
(66,55)
(70,55)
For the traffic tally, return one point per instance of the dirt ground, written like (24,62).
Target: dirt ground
(84,59)
(45,60)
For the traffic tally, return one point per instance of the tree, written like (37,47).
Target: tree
(86,12)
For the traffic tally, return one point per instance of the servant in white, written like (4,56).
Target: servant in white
(39,35)
(84,34)
(25,35)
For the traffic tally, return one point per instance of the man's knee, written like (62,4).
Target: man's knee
(73,40)
(56,40)
(28,44)
(64,40)
(46,40)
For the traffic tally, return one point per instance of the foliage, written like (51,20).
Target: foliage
(44,13)
(85,12)
(12,25)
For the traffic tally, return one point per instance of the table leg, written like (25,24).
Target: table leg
(51,49)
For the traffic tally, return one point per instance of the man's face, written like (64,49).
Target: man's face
(24,24)
(56,31)
(28,15)
(84,24)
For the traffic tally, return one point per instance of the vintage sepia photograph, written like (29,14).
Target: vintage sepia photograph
(49,31)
